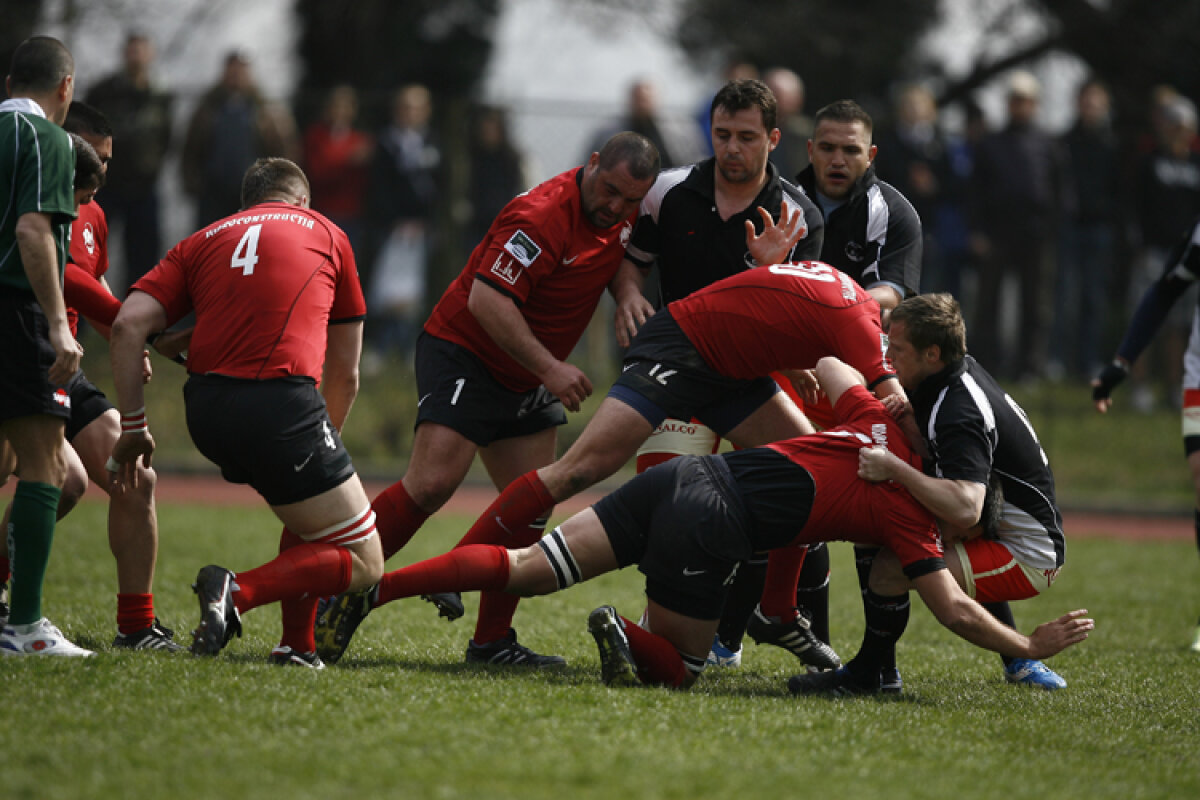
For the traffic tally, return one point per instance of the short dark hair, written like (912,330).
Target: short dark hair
(844,111)
(634,150)
(87,120)
(39,65)
(934,319)
(89,170)
(273,179)
(743,93)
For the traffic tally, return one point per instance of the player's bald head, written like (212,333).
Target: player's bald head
(275,180)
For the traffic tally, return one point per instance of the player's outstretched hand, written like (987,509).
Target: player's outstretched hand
(568,383)
(777,240)
(1108,379)
(631,315)
(1057,635)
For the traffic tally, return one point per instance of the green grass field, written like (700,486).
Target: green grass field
(401,716)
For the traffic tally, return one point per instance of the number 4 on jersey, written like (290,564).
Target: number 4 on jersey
(245,255)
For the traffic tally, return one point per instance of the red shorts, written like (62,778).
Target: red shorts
(992,574)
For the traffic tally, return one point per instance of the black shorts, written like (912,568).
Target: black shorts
(455,389)
(87,404)
(664,376)
(26,356)
(684,525)
(274,435)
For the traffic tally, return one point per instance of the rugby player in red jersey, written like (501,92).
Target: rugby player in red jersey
(279,310)
(689,523)
(491,372)
(705,356)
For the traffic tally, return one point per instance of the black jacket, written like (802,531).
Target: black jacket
(875,236)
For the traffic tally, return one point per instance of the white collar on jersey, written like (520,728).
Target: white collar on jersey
(22,105)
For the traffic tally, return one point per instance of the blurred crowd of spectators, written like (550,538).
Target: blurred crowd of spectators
(1047,239)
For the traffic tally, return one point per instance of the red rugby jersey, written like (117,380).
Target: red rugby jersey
(785,316)
(89,252)
(849,508)
(544,254)
(265,283)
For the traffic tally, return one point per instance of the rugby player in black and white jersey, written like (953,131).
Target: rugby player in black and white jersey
(701,223)
(975,432)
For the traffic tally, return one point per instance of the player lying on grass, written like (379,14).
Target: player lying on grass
(689,523)
(705,356)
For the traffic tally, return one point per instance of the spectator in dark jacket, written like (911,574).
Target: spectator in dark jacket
(1086,265)
(1015,198)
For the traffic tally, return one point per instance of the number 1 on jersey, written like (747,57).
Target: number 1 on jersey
(245,255)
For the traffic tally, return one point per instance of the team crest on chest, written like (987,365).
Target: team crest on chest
(626,232)
(89,238)
(855,252)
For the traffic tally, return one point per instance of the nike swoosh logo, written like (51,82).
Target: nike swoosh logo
(303,463)
(423,399)
(688,573)
(500,522)
(569,261)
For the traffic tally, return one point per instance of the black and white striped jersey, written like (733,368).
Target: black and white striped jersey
(680,230)
(874,236)
(974,428)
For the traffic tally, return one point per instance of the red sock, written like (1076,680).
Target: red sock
(520,505)
(463,569)
(496,609)
(5,569)
(783,573)
(318,570)
(658,662)
(397,518)
(299,616)
(297,613)
(135,612)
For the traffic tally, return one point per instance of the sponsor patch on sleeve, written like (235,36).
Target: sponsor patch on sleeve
(522,248)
